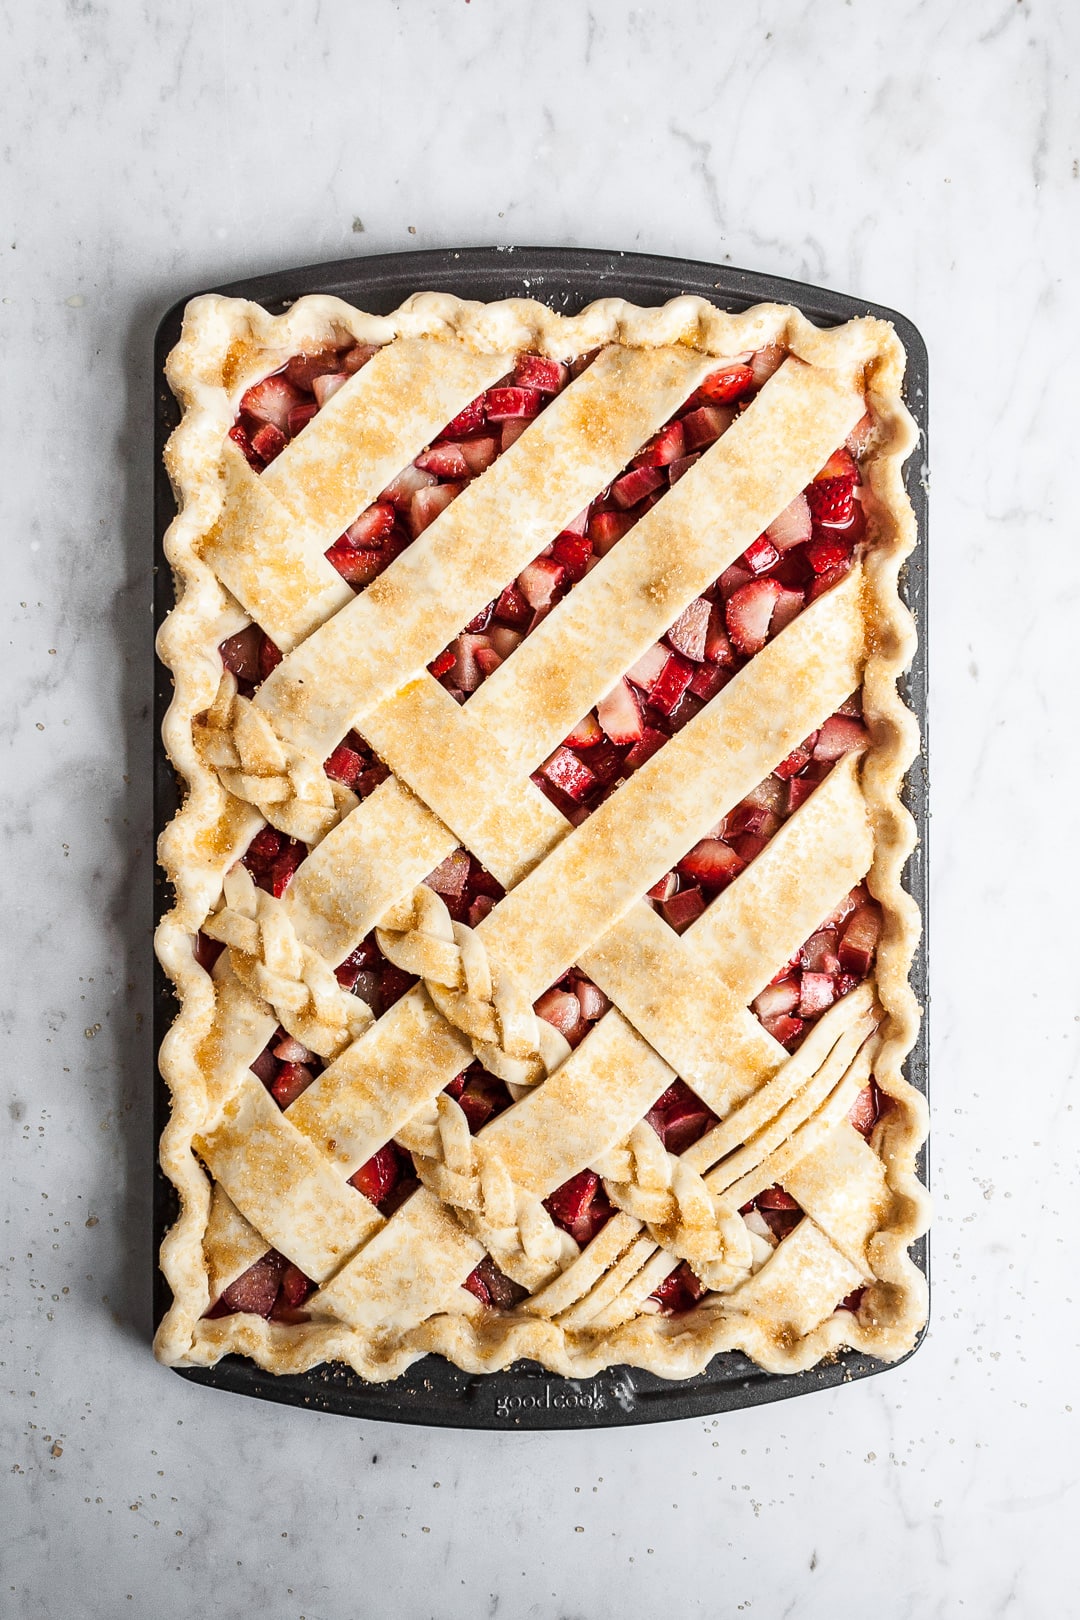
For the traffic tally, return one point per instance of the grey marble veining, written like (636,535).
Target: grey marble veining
(920,155)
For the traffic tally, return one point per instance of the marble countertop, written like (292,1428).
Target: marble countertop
(920,156)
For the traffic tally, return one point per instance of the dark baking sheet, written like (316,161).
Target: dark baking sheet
(525,1396)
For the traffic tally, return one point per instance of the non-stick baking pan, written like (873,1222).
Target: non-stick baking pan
(525,1396)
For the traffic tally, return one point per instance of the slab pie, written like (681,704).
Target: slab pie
(538,934)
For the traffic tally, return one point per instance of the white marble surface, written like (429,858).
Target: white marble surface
(921,155)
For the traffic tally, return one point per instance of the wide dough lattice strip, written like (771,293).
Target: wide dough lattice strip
(227,346)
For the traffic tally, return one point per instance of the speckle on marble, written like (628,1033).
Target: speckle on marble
(920,155)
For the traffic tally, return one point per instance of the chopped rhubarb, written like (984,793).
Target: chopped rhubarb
(511,431)
(651,742)
(503,403)
(818,955)
(450,876)
(562,1010)
(607,528)
(708,680)
(580,1206)
(492,1287)
(796,761)
(620,715)
(777,999)
(592,1000)
(268,442)
(271,401)
(255,1291)
(633,486)
(479,454)
(271,858)
(400,490)
(816,993)
(683,909)
(860,939)
(760,556)
(789,604)
(705,425)
(793,526)
(784,1028)
(240,653)
(344,765)
(864,1110)
(765,362)
(646,671)
(678,469)
(671,683)
(840,734)
(689,634)
(568,773)
(749,612)
(445,661)
(325,387)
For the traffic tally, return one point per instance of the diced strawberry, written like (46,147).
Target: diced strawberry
(663,448)
(679,468)
(271,401)
(268,442)
(561,1009)
(832,500)
(679,1117)
(841,734)
(580,1206)
(860,939)
(633,486)
(303,368)
(733,579)
(784,1028)
(379,1175)
(712,862)
(775,1198)
(717,646)
(818,955)
(565,771)
(487,661)
(689,634)
(295,1286)
(478,454)
(824,553)
(586,734)
(292,1079)
(512,606)
(240,653)
(664,887)
(372,526)
(671,683)
(400,490)
(765,362)
(651,742)
(607,528)
(605,762)
(503,403)
(344,765)
(444,461)
(539,581)
(789,604)
(445,661)
(534,371)
(799,790)
(426,505)
(239,435)
(451,875)
(777,999)
(256,1290)
(592,1000)
(705,425)
(393,983)
(760,556)
(749,612)
(574,552)
(748,846)
(825,582)
(469,671)
(841,464)
(646,670)
(728,383)
(358,567)
(470,420)
(479,909)
(791,527)
(679,1292)
(683,909)
(750,817)
(816,994)
(864,1110)
(620,716)
(493,1287)
(265,1066)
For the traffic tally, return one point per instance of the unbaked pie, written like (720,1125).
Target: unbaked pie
(539,937)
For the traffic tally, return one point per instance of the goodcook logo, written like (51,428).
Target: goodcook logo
(550,1400)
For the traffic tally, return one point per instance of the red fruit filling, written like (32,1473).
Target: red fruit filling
(679,1291)
(272,1288)
(492,1287)
(777,1209)
(682,895)
(386,1179)
(580,1206)
(836,958)
(679,1117)
(479,1095)
(272,858)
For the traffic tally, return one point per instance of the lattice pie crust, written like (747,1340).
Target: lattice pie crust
(250,1176)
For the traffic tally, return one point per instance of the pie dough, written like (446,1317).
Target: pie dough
(252,1177)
